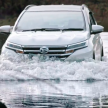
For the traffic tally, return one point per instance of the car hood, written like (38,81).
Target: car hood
(48,38)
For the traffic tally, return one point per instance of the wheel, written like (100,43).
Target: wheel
(94,56)
(102,53)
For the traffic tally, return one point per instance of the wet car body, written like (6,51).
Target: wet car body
(75,40)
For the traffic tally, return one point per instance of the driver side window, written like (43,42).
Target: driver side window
(92,20)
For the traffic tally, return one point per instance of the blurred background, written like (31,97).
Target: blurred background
(10,9)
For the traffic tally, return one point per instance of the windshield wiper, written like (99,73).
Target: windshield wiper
(43,29)
(73,29)
(54,29)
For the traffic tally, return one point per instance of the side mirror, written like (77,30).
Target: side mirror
(97,29)
(6,29)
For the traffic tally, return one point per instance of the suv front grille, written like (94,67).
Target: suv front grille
(36,50)
(58,51)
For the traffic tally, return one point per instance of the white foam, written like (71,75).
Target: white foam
(50,69)
(34,69)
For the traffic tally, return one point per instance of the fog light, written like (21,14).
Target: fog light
(70,51)
(19,51)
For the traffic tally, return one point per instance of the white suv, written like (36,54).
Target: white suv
(68,32)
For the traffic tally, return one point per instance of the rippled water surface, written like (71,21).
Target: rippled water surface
(53,83)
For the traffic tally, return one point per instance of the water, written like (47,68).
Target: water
(29,94)
(52,83)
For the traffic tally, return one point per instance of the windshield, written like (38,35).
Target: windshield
(55,20)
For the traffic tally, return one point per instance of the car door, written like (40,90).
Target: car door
(96,38)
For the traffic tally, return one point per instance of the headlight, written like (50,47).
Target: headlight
(73,47)
(15,47)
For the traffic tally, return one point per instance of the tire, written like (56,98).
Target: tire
(102,53)
(94,56)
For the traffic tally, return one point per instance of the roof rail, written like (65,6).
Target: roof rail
(27,7)
(83,5)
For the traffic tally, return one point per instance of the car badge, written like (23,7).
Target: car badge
(44,50)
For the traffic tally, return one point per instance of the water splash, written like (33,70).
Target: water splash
(38,68)
(21,68)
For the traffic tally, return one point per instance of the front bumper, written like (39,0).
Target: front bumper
(80,54)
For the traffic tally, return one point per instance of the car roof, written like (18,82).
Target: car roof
(54,8)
